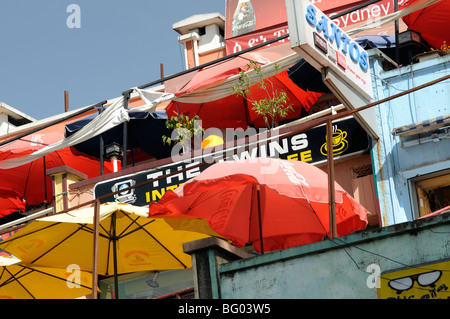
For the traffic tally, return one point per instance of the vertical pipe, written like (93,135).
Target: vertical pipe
(115,166)
(102,150)
(95,254)
(161,70)
(258,189)
(54,194)
(102,143)
(102,160)
(45,183)
(66,101)
(126,99)
(65,192)
(331,189)
(186,58)
(195,48)
(397,50)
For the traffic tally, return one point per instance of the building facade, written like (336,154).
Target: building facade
(202,36)
(399,177)
(411,166)
(412,158)
(378,264)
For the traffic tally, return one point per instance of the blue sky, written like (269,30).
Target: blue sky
(119,45)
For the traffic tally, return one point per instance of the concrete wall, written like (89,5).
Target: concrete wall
(338,268)
(394,166)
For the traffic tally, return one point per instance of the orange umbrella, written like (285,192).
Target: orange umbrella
(283,202)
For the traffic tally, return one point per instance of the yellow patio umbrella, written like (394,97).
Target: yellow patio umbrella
(128,242)
(24,281)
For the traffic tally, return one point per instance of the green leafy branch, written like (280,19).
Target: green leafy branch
(184,129)
(273,108)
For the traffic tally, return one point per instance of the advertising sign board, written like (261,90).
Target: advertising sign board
(322,43)
(430,281)
(252,22)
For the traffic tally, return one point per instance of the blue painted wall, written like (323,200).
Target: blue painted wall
(394,166)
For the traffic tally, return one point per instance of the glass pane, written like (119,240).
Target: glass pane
(428,278)
(401,283)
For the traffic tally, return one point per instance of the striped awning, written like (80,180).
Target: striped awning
(423,126)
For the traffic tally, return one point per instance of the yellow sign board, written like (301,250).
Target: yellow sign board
(431,281)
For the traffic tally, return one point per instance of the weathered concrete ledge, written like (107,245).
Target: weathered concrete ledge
(207,254)
(208,243)
(333,268)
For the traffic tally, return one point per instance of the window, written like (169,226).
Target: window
(201,31)
(431,192)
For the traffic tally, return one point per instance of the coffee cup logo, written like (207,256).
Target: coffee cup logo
(340,144)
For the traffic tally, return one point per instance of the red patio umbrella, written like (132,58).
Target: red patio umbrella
(223,115)
(10,202)
(431,22)
(30,182)
(232,111)
(235,112)
(217,72)
(29,144)
(290,209)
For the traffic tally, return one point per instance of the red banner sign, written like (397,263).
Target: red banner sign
(246,41)
(252,22)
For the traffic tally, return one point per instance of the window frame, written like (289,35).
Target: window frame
(413,194)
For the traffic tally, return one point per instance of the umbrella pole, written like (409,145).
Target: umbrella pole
(114,241)
(45,183)
(259,217)
(331,189)
(102,150)
(102,160)
(95,259)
